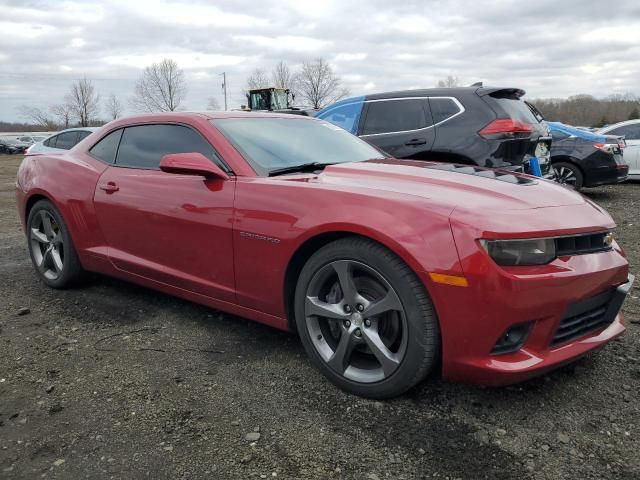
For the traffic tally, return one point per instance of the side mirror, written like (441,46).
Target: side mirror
(192,164)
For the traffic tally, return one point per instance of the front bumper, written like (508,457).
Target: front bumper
(474,318)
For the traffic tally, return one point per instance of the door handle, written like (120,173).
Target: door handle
(110,187)
(416,141)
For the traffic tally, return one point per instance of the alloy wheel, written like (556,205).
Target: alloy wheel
(47,245)
(356,321)
(565,176)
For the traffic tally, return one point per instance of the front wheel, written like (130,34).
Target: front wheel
(365,319)
(568,174)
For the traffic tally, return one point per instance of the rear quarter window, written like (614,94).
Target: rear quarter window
(67,140)
(442,109)
(107,147)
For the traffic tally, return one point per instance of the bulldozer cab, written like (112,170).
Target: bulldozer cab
(268,99)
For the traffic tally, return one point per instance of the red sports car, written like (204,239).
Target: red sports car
(386,269)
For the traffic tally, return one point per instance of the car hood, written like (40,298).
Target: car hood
(450,185)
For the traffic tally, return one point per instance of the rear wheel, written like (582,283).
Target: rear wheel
(365,319)
(52,252)
(568,174)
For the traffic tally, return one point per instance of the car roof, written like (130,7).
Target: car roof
(443,92)
(186,116)
(427,92)
(86,129)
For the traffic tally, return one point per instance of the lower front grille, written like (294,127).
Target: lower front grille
(580,325)
(590,315)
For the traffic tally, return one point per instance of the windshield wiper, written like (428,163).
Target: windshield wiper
(305,167)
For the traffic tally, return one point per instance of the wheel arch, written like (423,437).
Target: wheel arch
(567,159)
(316,241)
(33,198)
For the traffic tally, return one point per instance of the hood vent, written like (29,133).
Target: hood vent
(501,175)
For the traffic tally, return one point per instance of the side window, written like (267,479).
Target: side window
(630,132)
(67,140)
(388,116)
(107,148)
(143,146)
(51,142)
(442,108)
(344,116)
(82,134)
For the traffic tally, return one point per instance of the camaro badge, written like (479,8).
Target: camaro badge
(257,236)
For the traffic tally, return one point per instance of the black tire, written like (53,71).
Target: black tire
(419,340)
(569,174)
(52,247)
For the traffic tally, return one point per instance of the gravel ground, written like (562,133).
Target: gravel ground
(116,381)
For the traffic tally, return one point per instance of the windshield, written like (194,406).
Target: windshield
(258,101)
(275,143)
(279,100)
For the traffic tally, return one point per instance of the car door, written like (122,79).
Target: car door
(631,154)
(402,127)
(172,228)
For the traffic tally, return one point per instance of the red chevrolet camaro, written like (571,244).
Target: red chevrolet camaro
(385,268)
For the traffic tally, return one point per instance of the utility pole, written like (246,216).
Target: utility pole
(224,87)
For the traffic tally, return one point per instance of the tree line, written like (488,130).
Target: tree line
(589,111)
(162,88)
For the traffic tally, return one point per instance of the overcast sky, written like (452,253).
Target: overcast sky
(548,48)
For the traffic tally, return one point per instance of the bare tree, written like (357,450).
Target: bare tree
(213,104)
(37,116)
(283,77)
(449,82)
(63,113)
(318,85)
(161,88)
(113,107)
(257,79)
(84,101)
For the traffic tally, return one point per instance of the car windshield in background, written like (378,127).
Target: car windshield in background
(280,143)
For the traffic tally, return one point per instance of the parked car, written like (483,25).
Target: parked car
(386,268)
(12,145)
(31,139)
(585,159)
(630,130)
(485,126)
(61,141)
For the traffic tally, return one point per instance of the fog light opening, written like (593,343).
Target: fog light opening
(512,339)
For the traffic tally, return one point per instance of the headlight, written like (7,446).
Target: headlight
(535,251)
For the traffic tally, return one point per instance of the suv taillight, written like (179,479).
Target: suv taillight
(506,127)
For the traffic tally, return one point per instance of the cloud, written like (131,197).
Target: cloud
(548,48)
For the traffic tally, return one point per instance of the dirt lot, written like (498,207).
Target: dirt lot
(116,381)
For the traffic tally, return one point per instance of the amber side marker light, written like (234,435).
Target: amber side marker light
(449,279)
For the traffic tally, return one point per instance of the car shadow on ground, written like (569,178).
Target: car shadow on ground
(137,305)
